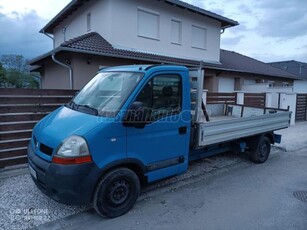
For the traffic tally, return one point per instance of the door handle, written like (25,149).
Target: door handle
(182,130)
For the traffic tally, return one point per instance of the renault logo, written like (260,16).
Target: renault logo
(36,145)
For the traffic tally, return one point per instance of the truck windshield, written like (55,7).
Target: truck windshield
(105,94)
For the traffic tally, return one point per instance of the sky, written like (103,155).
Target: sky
(269,30)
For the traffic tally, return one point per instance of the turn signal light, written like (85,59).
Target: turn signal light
(71,160)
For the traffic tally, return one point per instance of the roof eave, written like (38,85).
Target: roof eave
(46,28)
(45,55)
(124,57)
(250,72)
(225,22)
(59,49)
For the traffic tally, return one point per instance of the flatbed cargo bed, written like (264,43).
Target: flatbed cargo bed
(237,122)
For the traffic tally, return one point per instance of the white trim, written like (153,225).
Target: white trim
(180,31)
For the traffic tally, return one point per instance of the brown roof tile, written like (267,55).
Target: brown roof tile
(93,42)
(231,61)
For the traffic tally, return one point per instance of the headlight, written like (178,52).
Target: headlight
(74,150)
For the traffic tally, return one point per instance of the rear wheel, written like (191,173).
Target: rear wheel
(116,193)
(260,149)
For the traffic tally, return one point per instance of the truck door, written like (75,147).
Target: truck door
(163,144)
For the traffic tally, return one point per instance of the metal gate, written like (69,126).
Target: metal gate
(301,107)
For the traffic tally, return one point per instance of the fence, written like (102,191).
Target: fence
(20,110)
(301,107)
(221,98)
(255,99)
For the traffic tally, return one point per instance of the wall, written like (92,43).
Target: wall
(84,72)
(210,81)
(116,21)
(76,23)
(57,77)
(226,85)
(289,99)
(264,87)
(300,86)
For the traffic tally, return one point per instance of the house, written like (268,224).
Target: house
(297,68)
(238,72)
(89,34)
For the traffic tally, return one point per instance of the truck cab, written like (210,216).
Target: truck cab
(129,125)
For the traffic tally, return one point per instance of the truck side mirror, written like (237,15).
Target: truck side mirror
(135,116)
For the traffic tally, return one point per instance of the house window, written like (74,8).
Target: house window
(199,37)
(148,24)
(88,21)
(176,34)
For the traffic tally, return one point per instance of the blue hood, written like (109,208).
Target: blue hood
(62,123)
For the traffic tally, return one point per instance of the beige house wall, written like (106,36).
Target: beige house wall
(84,68)
(117,22)
(54,76)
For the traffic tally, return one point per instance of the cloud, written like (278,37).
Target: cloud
(245,9)
(232,41)
(19,34)
(282,19)
(217,11)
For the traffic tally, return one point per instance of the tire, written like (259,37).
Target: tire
(260,149)
(116,193)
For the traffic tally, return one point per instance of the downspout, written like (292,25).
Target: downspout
(61,64)
(48,35)
(66,66)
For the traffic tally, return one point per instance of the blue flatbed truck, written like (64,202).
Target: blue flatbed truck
(132,125)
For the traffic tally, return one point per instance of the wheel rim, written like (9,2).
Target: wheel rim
(263,151)
(118,192)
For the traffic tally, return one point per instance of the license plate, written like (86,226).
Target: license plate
(32,172)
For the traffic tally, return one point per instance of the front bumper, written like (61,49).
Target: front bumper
(68,184)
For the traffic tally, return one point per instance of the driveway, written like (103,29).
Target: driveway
(236,196)
(221,192)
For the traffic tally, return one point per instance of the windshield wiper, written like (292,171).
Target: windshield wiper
(72,105)
(82,108)
(89,109)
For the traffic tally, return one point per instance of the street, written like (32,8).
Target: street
(238,196)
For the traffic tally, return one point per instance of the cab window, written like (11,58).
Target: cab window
(161,96)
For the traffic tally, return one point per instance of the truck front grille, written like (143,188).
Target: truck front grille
(46,149)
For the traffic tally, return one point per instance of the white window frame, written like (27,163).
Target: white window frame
(139,33)
(180,31)
(205,38)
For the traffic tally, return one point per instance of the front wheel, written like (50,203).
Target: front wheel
(260,149)
(116,193)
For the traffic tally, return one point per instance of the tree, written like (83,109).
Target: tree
(3,78)
(16,62)
(14,73)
